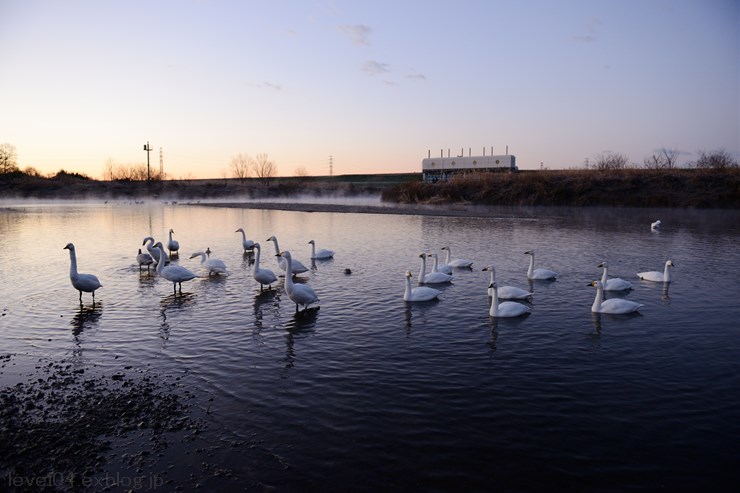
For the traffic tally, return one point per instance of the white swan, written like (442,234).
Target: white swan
(656,276)
(321,253)
(81,282)
(506,308)
(154,251)
(458,262)
(655,225)
(300,294)
(533,273)
(506,292)
(444,268)
(432,277)
(615,284)
(144,259)
(298,267)
(177,274)
(262,276)
(173,245)
(419,293)
(248,245)
(613,305)
(214,266)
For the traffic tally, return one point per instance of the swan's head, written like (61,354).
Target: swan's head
(312,243)
(408,274)
(71,247)
(668,263)
(197,254)
(240,230)
(598,284)
(148,238)
(256,246)
(172,231)
(422,255)
(271,238)
(158,245)
(488,267)
(602,264)
(284,254)
(445,248)
(434,255)
(529,252)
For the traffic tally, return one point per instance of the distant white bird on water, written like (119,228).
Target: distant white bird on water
(177,274)
(298,267)
(144,259)
(321,253)
(260,274)
(505,309)
(173,245)
(655,225)
(248,245)
(81,282)
(432,277)
(214,266)
(616,306)
(419,293)
(615,284)
(533,273)
(458,262)
(657,276)
(300,294)
(436,267)
(505,292)
(154,251)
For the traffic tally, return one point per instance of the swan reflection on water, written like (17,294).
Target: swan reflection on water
(173,302)
(301,325)
(86,317)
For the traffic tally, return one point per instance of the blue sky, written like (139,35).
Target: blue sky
(375,85)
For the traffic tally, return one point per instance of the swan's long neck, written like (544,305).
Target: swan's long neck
(277,248)
(202,258)
(448,256)
(423,270)
(493,275)
(72,263)
(288,273)
(604,277)
(596,307)
(407,293)
(531,265)
(244,236)
(160,263)
(170,235)
(313,250)
(435,266)
(667,273)
(494,303)
(257,259)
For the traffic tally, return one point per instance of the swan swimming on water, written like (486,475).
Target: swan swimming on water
(154,251)
(321,253)
(615,284)
(444,268)
(505,292)
(81,282)
(173,245)
(458,262)
(419,293)
(298,267)
(432,277)
(144,259)
(211,265)
(300,294)
(656,276)
(616,306)
(533,273)
(248,245)
(507,308)
(177,274)
(261,275)
(655,225)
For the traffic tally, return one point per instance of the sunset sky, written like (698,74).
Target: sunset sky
(374,84)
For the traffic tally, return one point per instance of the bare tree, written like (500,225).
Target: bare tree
(8,158)
(664,159)
(264,169)
(610,160)
(301,172)
(717,159)
(241,166)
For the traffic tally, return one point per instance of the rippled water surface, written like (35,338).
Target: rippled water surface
(371,393)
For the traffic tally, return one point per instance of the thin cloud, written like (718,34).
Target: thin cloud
(271,85)
(591,32)
(417,76)
(374,68)
(358,33)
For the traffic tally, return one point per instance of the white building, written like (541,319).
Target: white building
(443,168)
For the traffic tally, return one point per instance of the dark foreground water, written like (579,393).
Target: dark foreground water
(370,393)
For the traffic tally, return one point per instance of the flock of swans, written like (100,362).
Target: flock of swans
(303,295)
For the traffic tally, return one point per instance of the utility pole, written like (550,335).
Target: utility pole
(148,149)
(331,165)
(161,165)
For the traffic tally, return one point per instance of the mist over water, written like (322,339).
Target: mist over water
(371,393)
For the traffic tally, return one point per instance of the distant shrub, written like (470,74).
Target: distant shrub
(717,159)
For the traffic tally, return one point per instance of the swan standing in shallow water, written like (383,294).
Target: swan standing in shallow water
(298,267)
(248,245)
(144,259)
(506,308)
(533,273)
(154,251)
(419,293)
(177,274)
(432,277)
(656,225)
(616,306)
(81,282)
(615,284)
(262,276)
(656,276)
(506,292)
(173,245)
(458,262)
(444,268)
(321,253)
(211,265)
(300,294)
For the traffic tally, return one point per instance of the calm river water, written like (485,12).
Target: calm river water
(371,393)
